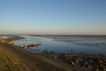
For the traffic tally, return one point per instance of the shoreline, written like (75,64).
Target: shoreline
(70,61)
(25,59)
(77,62)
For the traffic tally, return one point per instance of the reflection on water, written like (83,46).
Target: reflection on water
(51,45)
(98,41)
(4,37)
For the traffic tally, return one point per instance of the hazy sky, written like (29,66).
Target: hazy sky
(53,17)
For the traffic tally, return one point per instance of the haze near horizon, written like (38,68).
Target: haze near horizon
(66,17)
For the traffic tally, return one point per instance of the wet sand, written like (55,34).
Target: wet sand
(12,58)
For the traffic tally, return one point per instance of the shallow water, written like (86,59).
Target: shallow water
(51,45)
(4,37)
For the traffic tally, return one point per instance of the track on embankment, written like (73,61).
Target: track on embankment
(12,58)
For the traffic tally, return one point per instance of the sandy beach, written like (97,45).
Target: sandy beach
(12,58)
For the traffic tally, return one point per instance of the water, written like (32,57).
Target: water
(4,37)
(65,44)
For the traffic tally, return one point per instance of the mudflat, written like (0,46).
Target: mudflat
(12,58)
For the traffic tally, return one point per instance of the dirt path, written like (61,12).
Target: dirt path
(13,58)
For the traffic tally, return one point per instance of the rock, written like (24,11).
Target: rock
(89,66)
(100,61)
(56,53)
(97,69)
(86,63)
(77,61)
(72,63)
(55,57)
(49,53)
(83,66)
(90,61)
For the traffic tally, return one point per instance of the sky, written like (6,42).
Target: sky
(54,17)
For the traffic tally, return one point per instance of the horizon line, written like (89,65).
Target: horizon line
(53,34)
